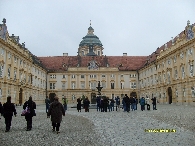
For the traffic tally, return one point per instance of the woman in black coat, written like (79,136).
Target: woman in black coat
(79,104)
(32,105)
(8,110)
(86,104)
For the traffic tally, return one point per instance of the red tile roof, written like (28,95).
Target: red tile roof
(61,63)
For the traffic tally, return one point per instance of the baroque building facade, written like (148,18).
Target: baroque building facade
(167,73)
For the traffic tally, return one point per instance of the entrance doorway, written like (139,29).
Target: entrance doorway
(170,95)
(133,94)
(51,97)
(93,98)
(20,96)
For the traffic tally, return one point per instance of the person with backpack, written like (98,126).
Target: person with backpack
(56,111)
(31,105)
(8,110)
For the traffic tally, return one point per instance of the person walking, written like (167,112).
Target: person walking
(32,106)
(86,104)
(56,111)
(142,103)
(117,99)
(79,104)
(98,99)
(65,102)
(154,103)
(47,103)
(8,110)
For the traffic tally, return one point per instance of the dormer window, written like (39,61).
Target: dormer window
(98,52)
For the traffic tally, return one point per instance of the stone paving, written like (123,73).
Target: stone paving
(105,129)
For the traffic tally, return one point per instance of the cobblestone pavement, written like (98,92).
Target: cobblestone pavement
(105,129)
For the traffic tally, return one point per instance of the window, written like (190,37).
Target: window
(92,76)
(121,76)
(112,85)
(73,85)
(8,72)
(184,92)
(20,61)
(52,85)
(2,51)
(63,85)
(9,55)
(122,85)
(1,70)
(176,74)
(98,53)
(82,53)
(63,76)
(193,91)
(190,51)
(112,76)
(191,70)
(174,59)
(168,77)
(82,76)
(92,85)
(82,85)
(15,74)
(104,85)
(169,62)
(15,59)
(181,55)
(52,76)
(176,93)
(103,76)
(73,76)
(183,72)
(133,85)
(164,77)
(0,93)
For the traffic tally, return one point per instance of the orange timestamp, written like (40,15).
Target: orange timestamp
(160,130)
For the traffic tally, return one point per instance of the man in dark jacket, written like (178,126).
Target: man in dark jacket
(154,103)
(56,111)
(86,103)
(32,106)
(127,102)
(8,110)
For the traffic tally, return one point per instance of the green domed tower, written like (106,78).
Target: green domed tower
(90,45)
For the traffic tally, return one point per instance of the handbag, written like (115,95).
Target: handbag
(25,111)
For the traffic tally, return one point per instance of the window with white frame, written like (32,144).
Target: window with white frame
(103,76)
(82,85)
(176,74)
(112,76)
(174,59)
(63,85)
(92,76)
(133,85)
(181,55)
(191,70)
(92,85)
(2,51)
(184,92)
(52,76)
(122,85)
(82,76)
(15,72)
(168,61)
(164,77)
(63,76)
(121,75)
(159,78)
(168,77)
(151,80)
(73,76)
(193,91)
(190,51)
(8,72)
(9,55)
(182,72)
(176,93)
(98,53)
(104,85)
(112,85)
(73,84)
(52,85)
(1,70)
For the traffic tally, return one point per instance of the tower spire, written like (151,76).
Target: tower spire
(90,22)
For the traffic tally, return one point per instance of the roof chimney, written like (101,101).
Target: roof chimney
(65,54)
(124,54)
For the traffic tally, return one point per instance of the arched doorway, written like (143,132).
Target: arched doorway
(20,96)
(170,95)
(51,97)
(93,98)
(133,94)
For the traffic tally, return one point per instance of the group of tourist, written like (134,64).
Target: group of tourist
(85,104)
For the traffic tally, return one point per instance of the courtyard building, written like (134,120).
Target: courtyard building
(167,73)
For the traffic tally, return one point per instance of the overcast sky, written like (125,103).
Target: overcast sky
(135,27)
